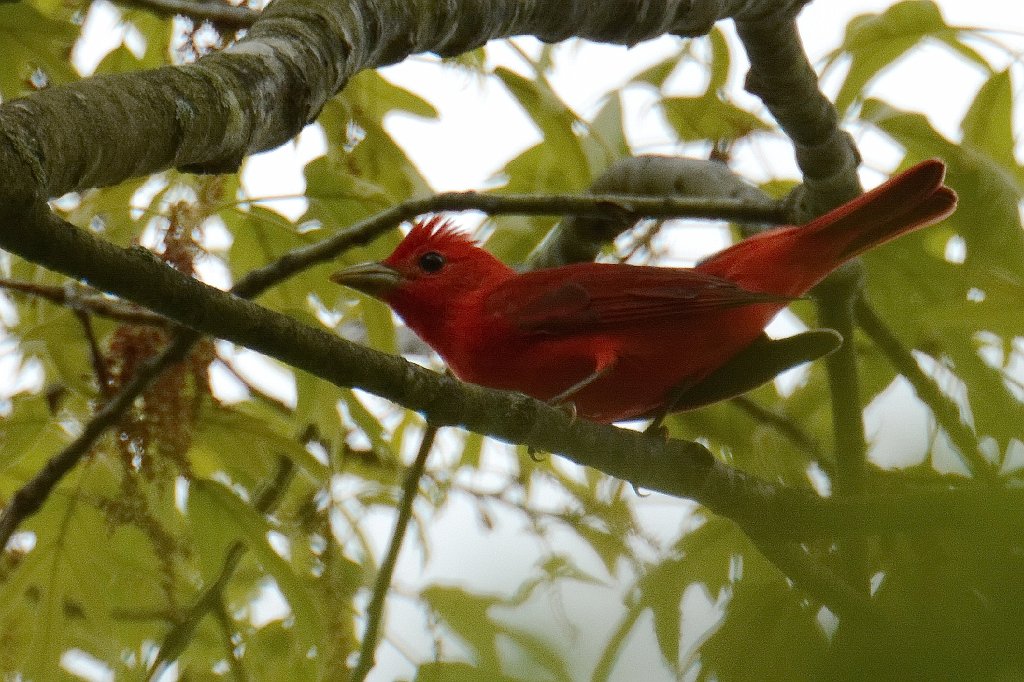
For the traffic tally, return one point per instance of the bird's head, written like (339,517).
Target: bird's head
(434,266)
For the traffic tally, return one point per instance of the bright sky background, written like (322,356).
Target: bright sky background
(479,129)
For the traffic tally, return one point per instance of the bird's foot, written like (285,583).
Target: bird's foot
(569,408)
(657,429)
(637,491)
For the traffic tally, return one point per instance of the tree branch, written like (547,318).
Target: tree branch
(75,299)
(262,90)
(375,609)
(99,363)
(622,206)
(676,468)
(785,81)
(835,310)
(74,256)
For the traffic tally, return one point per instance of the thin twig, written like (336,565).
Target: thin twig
(785,426)
(30,497)
(99,362)
(596,205)
(944,409)
(375,609)
(226,628)
(97,304)
(208,600)
(816,579)
(278,405)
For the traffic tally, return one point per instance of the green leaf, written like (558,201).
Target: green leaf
(555,121)
(212,505)
(911,274)
(709,118)
(606,141)
(375,96)
(30,40)
(28,424)
(719,66)
(261,236)
(369,425)
(64,594)
(657,74)
(57,339)
(661,591)
(874,41)
(364,170)
(458,671)
(988,124)
(774,629)
(267,435)
(703,556)
(466,614)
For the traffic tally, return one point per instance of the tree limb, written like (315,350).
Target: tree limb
(785,81)
(75,250)
(262,90)
(676,468)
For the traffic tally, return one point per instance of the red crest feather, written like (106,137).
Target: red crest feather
(434,233)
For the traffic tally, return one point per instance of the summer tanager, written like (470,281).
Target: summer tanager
(624,341)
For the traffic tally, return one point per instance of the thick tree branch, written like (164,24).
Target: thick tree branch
(676,468)
(783,78)
(70,258)
(262,90)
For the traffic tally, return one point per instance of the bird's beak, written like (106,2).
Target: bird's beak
(375,279)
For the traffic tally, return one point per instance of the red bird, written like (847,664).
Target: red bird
(618,341)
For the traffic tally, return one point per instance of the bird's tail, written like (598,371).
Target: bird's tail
(791,260)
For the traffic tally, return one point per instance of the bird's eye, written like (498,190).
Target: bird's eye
(431,261)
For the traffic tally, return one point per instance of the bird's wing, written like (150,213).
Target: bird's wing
(604,297)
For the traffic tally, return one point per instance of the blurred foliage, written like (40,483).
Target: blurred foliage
(175,537)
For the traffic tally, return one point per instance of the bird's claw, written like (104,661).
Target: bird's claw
(569,407)
(657,429)
(637,491)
